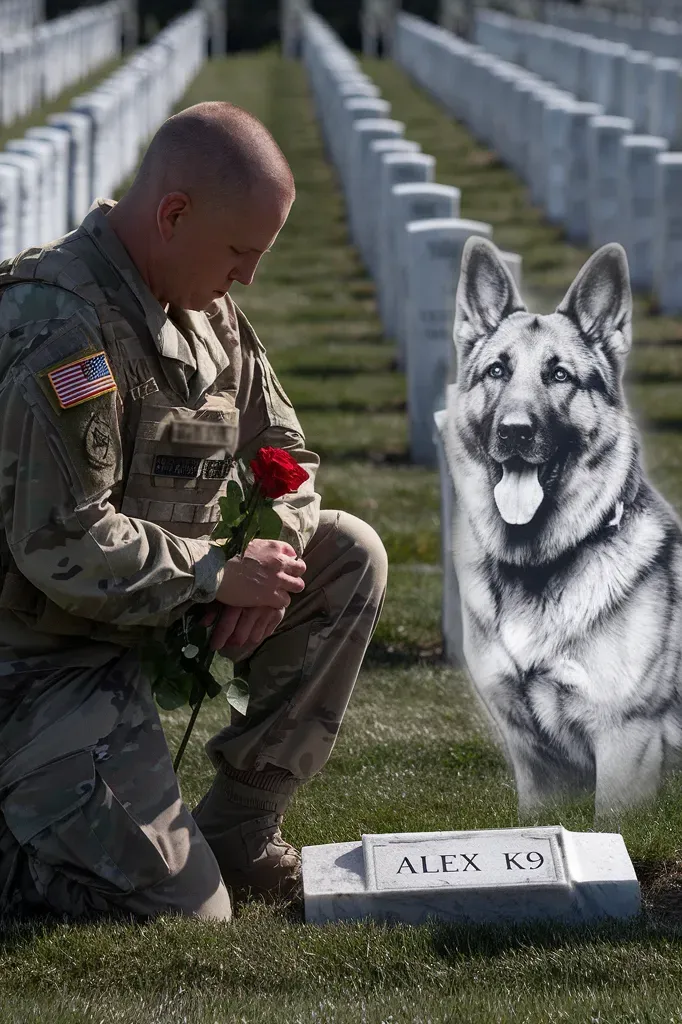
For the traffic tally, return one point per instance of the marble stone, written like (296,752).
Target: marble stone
(668,233)
(604,136)
(9,210)
(636,203)
(576,221)
(42,151)
(498,876)
(377,152)
(352,110)
(666,101)
(77,127)
(396,168)
(433,258)
(61,152)
(409,203)
(30,173)
(364,132)
(637,89)
(606,75)
(451,607)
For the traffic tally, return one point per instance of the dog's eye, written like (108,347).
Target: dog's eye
(496,370)
(560,374)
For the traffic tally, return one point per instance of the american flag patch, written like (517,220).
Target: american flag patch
(82,380)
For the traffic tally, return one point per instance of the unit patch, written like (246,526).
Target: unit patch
(100,451)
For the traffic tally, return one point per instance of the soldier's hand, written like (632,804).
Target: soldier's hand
(266,576)
(238,631)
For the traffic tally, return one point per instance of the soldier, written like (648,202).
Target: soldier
(128,381)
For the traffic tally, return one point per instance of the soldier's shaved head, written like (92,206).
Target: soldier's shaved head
(211,195)
(216,151)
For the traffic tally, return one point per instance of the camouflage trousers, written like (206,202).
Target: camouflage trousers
(93,820)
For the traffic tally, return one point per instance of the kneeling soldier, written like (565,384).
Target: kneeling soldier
(129,381)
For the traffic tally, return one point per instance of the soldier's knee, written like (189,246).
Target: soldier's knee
(366,544)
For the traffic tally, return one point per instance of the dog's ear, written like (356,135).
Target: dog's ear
(600,300)
(486,294)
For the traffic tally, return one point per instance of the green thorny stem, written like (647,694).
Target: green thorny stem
(208,655)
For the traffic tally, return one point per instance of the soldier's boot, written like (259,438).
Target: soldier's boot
(240,818)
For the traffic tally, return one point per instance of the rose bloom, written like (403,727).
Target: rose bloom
(277,472)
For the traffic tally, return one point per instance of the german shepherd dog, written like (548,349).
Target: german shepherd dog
(569,563)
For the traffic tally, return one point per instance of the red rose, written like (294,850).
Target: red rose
(277,472)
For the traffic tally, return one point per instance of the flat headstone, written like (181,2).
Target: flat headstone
(499,876)
(433,259)
(410,203)
(636,201)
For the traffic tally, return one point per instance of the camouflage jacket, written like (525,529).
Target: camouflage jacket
(119,423)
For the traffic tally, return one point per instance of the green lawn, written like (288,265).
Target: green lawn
(413,752)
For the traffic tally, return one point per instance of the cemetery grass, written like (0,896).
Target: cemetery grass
(413,752)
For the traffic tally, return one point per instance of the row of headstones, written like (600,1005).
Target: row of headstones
(50,177)
(406,227)
(38,64)
(626,82)
(409,233)
(660,36)
(590,172)
(20,15)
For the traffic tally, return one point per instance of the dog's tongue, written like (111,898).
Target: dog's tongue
(518,495)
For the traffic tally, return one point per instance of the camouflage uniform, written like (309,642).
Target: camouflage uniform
(106,510)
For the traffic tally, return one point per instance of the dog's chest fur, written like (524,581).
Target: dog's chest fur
(591,624)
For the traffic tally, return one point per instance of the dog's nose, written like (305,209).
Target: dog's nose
(515,432)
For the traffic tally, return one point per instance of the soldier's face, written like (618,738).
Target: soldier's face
(207,249)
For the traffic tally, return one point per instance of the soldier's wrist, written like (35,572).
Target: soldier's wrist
(209,569)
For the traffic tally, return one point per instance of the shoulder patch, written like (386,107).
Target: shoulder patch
(79,380)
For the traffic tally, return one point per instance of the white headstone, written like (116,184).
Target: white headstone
(30,171)
(378,149)
(451,622)
(499,876)
(78,128)
(433,258)
(364,132)
(636,201)
(410,203)
(638,89)
(61,152)
(668,233)
(395,169)
(666,101)
(10,192)
(604,137)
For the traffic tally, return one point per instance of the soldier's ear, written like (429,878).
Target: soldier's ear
(599,301)
(486,294)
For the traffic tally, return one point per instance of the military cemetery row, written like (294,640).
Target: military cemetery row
(39,63)
(659,36)
(19,16)
(50,177)
(592,171)
(410,236)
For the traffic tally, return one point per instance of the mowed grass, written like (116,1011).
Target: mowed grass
(414,752)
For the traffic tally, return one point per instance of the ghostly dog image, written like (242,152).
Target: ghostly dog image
(569,562)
